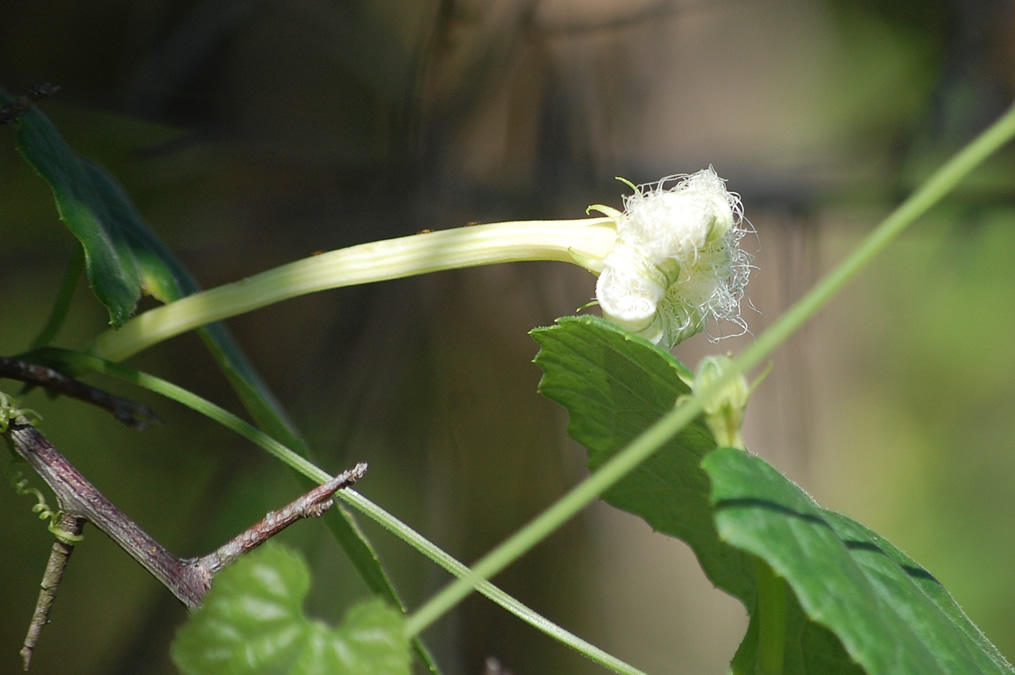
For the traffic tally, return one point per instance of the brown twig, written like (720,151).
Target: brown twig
(134,415)
(80,501)
(311,505)
(58,558)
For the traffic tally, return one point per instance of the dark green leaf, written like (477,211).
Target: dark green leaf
(88,207)
(890,614)
(252,622)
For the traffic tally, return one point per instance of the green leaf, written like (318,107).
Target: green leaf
(889,613)
(824,594)
(252,622)
(615,385)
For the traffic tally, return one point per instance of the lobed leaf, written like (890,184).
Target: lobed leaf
(615,385)
(252,622)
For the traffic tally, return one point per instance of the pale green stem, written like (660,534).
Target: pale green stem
(519,609)
(582,242)
(653,438)
(771,619)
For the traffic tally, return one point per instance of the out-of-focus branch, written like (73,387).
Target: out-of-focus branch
(129,413)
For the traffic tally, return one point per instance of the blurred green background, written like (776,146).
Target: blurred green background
(250,133)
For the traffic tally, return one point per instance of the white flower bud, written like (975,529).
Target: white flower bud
(677,261)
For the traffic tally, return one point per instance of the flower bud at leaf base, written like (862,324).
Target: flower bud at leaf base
(724,411)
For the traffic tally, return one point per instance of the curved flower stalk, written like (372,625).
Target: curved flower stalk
(587,239)
(677,262)
(667,264)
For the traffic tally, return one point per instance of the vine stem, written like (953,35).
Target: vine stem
(653,438)
(64,297)
(937,185)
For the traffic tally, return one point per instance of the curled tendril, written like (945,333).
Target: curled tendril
(42,508)
(9,412)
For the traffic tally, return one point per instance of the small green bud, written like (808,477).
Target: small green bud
(724,410)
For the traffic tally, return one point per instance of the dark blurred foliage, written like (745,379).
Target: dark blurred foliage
(254,132)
